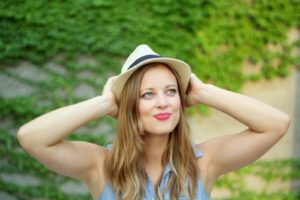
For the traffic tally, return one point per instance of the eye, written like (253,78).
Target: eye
(147,95)
(171,92)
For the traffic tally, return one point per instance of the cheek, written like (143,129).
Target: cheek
(177,107)
(176,103)
(145,115)
(144,108)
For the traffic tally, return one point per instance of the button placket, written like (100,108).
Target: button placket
(150,189)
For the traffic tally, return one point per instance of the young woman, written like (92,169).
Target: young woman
(152,156)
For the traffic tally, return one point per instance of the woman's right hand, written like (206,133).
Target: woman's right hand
(107,92)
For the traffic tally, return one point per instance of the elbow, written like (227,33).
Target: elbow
(23,137)
(283,125)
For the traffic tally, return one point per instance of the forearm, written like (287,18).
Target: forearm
(258,116)
(52,127)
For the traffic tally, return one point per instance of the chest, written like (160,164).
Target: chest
(154,175)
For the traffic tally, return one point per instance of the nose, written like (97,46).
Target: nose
(162,101)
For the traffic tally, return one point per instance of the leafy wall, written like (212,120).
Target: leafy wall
(55,53)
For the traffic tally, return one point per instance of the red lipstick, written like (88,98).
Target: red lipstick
(162,116)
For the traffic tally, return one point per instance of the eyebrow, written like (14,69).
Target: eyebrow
(168,86)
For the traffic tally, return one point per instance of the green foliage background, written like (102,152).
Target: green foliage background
(214,37)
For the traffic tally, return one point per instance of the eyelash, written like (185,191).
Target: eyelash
(145,94)
(174,91)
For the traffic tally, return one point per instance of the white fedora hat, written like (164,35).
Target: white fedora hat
(143,55)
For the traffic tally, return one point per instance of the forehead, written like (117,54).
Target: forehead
(158,76)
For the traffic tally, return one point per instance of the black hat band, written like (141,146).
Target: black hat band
(143,58)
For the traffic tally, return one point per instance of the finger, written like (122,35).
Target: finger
(112,79)
(108,84)
(193,75)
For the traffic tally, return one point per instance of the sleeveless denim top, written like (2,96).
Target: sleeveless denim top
(109,194)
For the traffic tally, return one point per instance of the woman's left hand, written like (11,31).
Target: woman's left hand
(194,91)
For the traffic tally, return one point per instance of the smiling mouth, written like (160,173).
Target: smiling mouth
(162,116)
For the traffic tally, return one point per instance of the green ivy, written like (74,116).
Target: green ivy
(215,37)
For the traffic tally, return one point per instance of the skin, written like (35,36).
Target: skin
(84,161)
(158,97)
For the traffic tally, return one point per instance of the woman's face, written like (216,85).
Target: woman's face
(159,104)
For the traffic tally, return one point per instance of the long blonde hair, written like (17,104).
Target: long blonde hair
(123,167)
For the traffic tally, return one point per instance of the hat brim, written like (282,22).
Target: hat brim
(182,68)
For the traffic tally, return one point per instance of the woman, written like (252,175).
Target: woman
(152,156)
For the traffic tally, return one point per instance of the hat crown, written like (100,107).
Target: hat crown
(139,51)
(141,56)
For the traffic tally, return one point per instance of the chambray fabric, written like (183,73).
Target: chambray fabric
(109,194)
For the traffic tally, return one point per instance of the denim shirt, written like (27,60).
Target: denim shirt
(109,194)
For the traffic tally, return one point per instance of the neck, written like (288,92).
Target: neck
(154,148)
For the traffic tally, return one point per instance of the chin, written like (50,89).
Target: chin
(160,127)
(160,131)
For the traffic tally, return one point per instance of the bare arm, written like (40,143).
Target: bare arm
(44,136)
(266,125)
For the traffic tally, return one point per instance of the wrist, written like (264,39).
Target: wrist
(101,106)
(204,93)
(109,105)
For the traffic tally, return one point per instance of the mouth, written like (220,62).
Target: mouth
(162,116)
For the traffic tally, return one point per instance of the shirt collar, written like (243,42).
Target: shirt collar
(197,151)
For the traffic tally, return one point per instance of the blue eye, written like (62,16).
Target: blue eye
(147,95)
(171,91)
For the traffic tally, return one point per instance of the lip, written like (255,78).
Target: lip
(162,116)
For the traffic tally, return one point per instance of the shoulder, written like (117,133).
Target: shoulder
(94,151)
(99,154)
(204,167)
(96,177)
(203,160)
